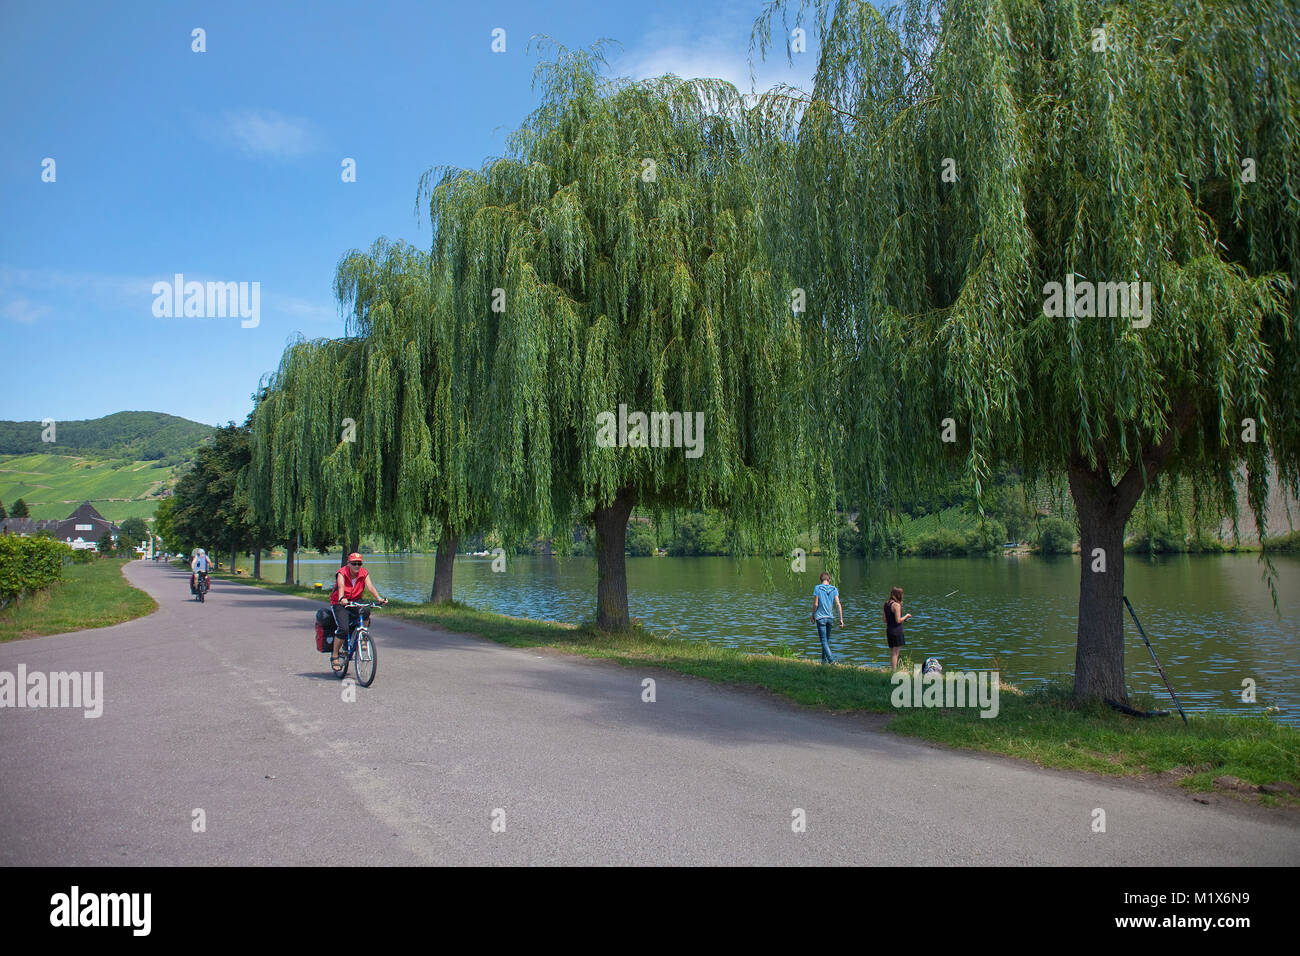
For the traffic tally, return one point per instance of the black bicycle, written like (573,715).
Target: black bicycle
(201,586)
(359,646)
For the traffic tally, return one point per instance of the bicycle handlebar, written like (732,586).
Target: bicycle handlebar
(360,604)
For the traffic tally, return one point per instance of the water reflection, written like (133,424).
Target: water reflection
(1210,618)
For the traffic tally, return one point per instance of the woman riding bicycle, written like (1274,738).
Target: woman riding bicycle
(199,567)
(350,583)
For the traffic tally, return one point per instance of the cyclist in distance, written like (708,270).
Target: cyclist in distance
(200,567)
(350,583)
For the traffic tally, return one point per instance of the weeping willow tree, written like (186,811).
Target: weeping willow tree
(258,481)
(976,178)
(608,267)
(416,422)
(306,470)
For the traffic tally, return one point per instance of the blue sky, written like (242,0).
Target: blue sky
(225,166)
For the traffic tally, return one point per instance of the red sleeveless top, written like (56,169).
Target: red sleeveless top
(354,587)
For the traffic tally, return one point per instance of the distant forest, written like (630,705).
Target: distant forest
(139,436)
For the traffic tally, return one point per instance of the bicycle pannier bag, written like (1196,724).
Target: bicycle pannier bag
(325,631)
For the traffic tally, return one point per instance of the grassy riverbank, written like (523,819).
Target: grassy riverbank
(90,595)
(1044,726)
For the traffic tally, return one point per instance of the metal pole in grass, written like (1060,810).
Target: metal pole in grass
(1156,659)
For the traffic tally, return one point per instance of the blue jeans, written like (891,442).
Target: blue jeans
(824,634)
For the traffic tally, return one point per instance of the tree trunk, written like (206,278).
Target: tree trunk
(443,566)
(234,553)
(611,561)
(1099,651)
(1104,508)
(289,553)
(257,563)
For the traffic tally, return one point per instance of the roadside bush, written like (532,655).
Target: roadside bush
(1056,536)
(29,564)
(82,556)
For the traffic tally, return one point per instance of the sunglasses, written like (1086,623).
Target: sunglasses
(355,564)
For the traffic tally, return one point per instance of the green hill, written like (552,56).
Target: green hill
(137,436)
(53,485)
(123,463)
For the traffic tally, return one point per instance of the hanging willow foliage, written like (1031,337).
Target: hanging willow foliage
(956,157)
(418,416)
(620,240)
(317,483)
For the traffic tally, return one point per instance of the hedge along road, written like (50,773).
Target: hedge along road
(227,708)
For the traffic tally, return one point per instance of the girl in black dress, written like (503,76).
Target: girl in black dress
(894,618)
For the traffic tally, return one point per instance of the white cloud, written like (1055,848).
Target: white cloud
(304,309)
(712,58)
(265,134)
(82,287)
(25,293)
(688,64)
(24,311)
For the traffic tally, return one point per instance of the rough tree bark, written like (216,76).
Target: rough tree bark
(257,563)
(1099,650)
(289,553)
(1104,508)
(611,560)
(443,566)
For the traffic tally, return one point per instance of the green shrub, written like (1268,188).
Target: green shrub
(850,538)
(941,542)
(1158,535)
(1056,536)
(987,537)
(1283,542)
(29,564)
(82,556)
(1208,544)
(887,539)
(640,539)
(698,533)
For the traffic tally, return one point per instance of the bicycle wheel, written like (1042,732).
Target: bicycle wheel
(202,590)
(345,658)
(367,662)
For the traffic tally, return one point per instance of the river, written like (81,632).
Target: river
(1210,618)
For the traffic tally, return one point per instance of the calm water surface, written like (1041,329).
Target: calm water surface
(1210,618)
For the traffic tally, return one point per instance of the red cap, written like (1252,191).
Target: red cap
(354,557)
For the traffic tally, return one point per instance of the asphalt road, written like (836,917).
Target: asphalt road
(227,708)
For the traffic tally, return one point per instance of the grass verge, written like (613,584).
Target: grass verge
(1044,726)
(90,595)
